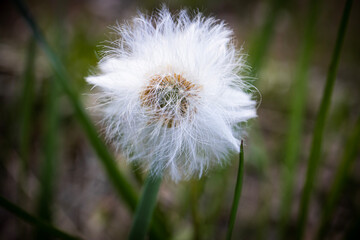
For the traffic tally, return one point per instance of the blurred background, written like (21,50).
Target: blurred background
(58,177)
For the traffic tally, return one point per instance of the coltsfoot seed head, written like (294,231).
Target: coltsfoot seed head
(168,99)
(171,93)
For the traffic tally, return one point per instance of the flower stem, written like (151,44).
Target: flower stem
(315,152)
(351,149)
(237,194)
(20,213)
(145,208)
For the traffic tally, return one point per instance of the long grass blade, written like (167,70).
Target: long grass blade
(257,53)
(20,213)
(27,102)
(315,152)
(297,108)
(237,193)
(26,107)
(262,39)
(49,164)
(145,209)
(351,149)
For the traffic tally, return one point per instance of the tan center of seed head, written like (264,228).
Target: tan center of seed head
(168,98)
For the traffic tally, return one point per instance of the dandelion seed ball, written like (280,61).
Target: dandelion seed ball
(171,94)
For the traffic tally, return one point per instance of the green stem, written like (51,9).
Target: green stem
(145,208)
(315,152)
(351,149)
(20,213)
(237,194)
(297,108)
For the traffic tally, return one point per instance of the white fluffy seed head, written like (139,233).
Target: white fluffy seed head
(171,95)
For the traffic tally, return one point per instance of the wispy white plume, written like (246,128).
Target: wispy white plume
(171,92)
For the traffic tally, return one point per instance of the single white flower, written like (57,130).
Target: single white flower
(170,92)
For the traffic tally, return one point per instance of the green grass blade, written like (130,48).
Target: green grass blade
(49,164)
(123,188)
(315,152)
(352,147)
(27,102)
(237,193)
(297,107)
(20,213)
(262,39)
(26,122)
(145,209)
(257,52)
(50,160)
